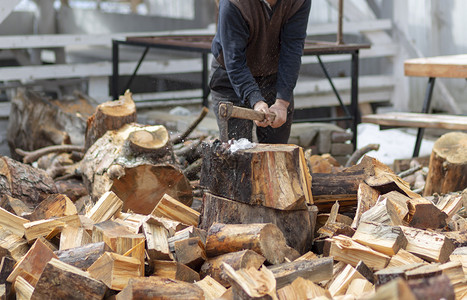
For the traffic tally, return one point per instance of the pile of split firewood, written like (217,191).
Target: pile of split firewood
(136,214)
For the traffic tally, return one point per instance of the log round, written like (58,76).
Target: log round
(265,239)
(275,176)
(110,115)
(296,225)
(138,176)
(447,171)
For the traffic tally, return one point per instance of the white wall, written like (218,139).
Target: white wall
(432,28)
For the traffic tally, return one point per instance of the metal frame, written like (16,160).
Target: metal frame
(191,45)
(425,110)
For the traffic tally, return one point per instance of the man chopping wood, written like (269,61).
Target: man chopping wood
(257,55)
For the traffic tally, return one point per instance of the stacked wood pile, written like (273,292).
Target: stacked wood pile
(273,223)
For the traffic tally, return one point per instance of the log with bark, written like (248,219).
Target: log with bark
(83,257)
(296,225)
(110,115)
(447,170)
(244,259)
(274,176)
(24,182)
(265,239)
(343,186)
(138,177)
(37,121)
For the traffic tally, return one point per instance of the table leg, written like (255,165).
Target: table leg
(115,76)
(425,109)
(136,69)
(205,80)
(354,97)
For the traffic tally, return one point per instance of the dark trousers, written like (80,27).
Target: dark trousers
(221,90)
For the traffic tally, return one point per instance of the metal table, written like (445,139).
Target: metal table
(202,44)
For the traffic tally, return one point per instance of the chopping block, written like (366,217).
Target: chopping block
(270,175)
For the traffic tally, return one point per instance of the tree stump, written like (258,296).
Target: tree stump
(448,165)
(110,115)
(296,225)
(275,176)
(137,163)
(36,121)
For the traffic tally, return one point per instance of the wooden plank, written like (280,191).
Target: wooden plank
(453,66)
(64,40)
(401,119)
(97,69)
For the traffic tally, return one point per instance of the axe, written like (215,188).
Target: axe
(227,110)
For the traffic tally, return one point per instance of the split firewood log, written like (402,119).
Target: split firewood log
(244,259)
(251,283)
(12,222)
(62,281)
(340,283)
(343,186)
(448,165)
(211,288)
(159,288)
(37,121)
(117,236)
(316,270)
(174,270)
(138,165)
(383,238)
(83,257)
(275,176)
(115,270)
(347,250)
(431,246)
(111,115)
(24,182)
(12,245)
(54,205)
(303,289)
(33,263)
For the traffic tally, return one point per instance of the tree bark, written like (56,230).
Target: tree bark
(275,176)
(296,225)
(447,171)
(111,115)
(24,182)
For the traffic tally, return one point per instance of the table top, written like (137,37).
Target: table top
(454,66)
(202,43)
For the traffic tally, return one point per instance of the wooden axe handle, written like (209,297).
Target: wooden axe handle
(250,114)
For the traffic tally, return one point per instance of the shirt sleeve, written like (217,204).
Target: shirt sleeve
(234,32)
(293,36)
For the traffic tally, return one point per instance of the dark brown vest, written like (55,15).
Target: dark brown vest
(264,42)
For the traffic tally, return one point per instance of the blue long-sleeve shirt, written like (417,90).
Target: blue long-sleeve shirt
(231,41)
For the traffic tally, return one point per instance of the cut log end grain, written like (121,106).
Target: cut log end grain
(151,139)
